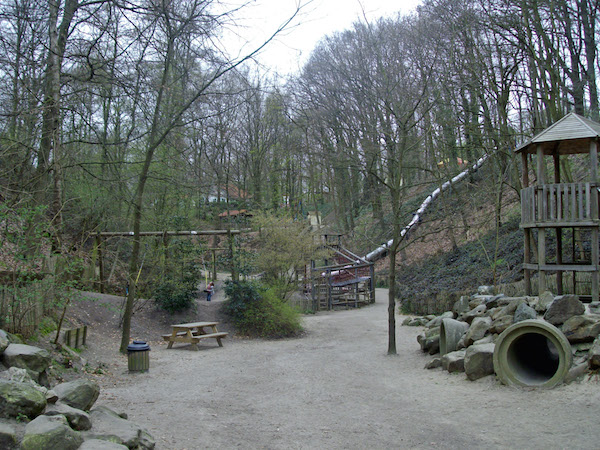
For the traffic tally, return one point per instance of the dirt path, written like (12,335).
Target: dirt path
(337,388)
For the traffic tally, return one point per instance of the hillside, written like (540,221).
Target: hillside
(456,247)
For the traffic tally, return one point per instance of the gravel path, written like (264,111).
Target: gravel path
(336,388)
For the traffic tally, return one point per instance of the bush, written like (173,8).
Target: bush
(174,296)
(261,311)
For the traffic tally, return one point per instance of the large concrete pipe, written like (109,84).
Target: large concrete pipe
(450,333)
(532,353)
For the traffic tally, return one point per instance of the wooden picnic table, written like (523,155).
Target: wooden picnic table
(192,333)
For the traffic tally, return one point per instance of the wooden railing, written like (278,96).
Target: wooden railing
(564,204)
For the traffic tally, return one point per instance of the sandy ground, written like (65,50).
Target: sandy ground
(335,387)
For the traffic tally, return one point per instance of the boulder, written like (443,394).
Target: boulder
(479,361)
(454,361)
(524,312)
(594,307)
(51,396)
(432,344)
(485,290)
(563,308)
(26,357)
(108,425)
(544,301)
(478,329)
(503,301)
(461,306)
(99,444)
(430,340)
(78,419)
(576,371)
(594,355)
(584,328)
(489,339)
(492,302)
(50,432)
(477,300)
(8,436)
(20,399)
(478,311)
(416,322)
(434,363)
(581,348)
(12,338)
(438,320)
(500,324)
(509,309)
(4,342)
(80,394)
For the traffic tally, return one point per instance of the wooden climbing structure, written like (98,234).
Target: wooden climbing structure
(564,210)
(344,281)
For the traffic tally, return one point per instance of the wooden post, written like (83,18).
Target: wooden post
(214,261)
(100,262)
(527,257)
(329,293)
(541,180)
(313,287)
(541,260)
(372,283)
(526,231)
(594,214)
(559,248)
(541,170)
(234,272)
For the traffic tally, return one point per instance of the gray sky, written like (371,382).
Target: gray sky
(318,18)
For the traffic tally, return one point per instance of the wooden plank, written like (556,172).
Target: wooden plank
(588,202)
(544,204)
(524,205)
(580,201)
(171,233)
(562,224)
(561,267)
(573,201)
(195,325)
(559,211)
(552,201)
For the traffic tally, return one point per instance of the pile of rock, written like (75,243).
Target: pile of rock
(466,337)
(61,417)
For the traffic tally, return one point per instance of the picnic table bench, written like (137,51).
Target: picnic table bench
(193,333)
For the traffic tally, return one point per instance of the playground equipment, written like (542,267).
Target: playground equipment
(561,206)
(347,281)
(532,353)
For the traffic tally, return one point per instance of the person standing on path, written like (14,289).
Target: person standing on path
(209,291)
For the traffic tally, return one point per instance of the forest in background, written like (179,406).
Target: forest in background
(125,115)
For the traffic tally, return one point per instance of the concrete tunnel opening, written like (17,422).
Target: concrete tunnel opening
(533,358)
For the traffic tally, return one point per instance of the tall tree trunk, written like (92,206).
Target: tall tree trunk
(50,144)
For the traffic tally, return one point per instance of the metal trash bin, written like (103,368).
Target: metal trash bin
(138,356)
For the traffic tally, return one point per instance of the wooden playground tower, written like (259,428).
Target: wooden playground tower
(565,209)
(345,281)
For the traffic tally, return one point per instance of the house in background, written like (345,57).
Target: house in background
(238,217)
(220,194)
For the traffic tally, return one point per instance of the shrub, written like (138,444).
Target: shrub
(174,296)
(261,311)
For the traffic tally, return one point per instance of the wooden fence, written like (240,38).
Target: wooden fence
(23,307)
